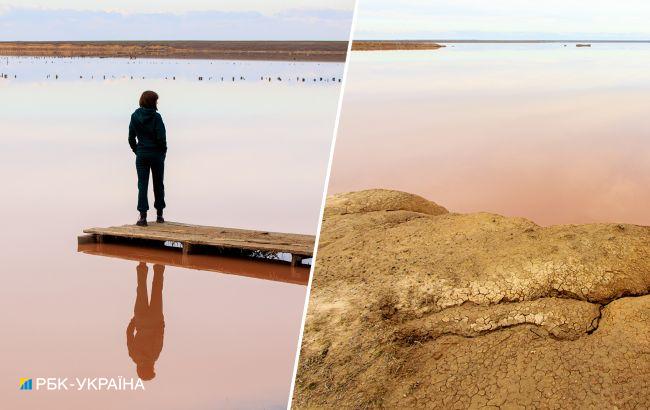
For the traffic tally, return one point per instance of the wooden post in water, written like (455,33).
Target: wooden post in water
(296,260)
(186,251)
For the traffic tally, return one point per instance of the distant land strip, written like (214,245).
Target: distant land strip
(324,51)
(377,45)
(452,41)
(431,44)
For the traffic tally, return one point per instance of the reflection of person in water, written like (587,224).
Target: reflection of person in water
(144,335)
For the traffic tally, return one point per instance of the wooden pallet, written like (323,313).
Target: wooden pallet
(193,238)
(277,272)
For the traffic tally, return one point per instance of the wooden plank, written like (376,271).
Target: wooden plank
(278,272)
(212,236)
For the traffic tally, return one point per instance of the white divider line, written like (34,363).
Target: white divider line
(323,200)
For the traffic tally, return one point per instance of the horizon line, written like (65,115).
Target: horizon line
(510,41)
(170,41)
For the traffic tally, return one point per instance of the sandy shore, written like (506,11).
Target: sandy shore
(383,45)
(413,306)
(326,51)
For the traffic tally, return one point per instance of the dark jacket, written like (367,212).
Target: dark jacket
(146,343)
(147,125)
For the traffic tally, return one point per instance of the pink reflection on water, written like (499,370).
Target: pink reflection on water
(551,135)
(244,156)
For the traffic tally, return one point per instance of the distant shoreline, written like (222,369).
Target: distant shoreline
(388,45)
(448,41)
(384,45)
(321,51)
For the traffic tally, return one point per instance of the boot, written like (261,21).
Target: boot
(159,217)
(143,219)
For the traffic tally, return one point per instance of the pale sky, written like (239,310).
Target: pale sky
(175,20)
(176,6)
(503,19)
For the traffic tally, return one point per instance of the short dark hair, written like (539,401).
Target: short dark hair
(149,99)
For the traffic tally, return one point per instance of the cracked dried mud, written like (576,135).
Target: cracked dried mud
(413,306)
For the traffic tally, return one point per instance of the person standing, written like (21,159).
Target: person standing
(148,140)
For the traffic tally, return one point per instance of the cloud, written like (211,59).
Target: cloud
(23,24)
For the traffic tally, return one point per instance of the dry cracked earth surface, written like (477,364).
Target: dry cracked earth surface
(413,306)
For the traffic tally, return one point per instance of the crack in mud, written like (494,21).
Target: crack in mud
(446,310)
(412,338)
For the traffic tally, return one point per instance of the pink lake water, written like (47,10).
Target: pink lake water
(555,134)
(248,154)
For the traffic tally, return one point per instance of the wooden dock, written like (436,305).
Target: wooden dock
(277,272)
(207,239)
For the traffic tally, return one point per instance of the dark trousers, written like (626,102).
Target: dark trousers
(154,163)
(146,311)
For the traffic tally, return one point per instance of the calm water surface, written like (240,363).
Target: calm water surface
(555,134)
(247,153)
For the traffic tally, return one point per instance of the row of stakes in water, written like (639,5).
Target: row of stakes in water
(201,78)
